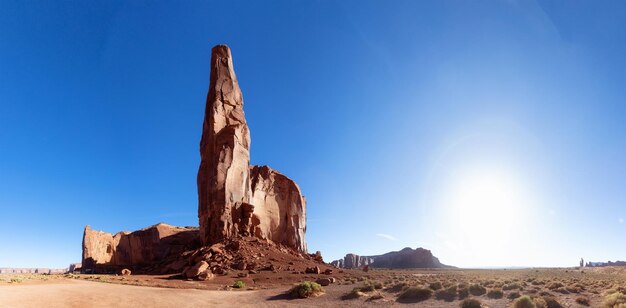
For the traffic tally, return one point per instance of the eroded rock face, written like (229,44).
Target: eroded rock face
(224,176)
(234,198)
(279,208)
(106,252)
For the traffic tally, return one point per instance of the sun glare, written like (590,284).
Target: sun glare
(486,211)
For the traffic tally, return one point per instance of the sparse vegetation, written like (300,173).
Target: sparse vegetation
(470,303)
(435,285)
(306,289)
(495,293)
(524,302)
(448,294)
(477,290)
(414,295)
(582,300)
(239,284)
(16,280)
(462,291)
(615,300)
(551,302)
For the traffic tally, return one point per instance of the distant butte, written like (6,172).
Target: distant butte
(405,258)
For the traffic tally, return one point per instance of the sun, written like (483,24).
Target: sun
(485,211)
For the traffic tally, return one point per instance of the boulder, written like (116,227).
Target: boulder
(196,269)
(323,282)
(205,275)
(125,272)
(312,270)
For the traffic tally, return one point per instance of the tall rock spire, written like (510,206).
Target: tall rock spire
(234,198)
(224,174)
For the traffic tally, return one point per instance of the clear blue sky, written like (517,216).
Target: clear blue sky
(491,132)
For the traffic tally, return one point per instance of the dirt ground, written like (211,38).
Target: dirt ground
(353,288)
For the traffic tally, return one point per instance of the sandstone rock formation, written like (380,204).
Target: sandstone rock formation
(105,252)
(224,173)
(405,258)
(234,198)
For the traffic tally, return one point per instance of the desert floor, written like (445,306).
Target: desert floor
(447,288)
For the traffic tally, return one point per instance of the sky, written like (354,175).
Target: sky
(489,132)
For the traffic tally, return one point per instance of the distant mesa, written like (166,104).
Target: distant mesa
(43,271)
(236,200)
(605,264)
(405,258)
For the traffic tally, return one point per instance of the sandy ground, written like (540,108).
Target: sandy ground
(78,293)
(267,289)
(81,293)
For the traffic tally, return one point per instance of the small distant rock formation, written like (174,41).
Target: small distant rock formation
(41,271)
(353,261)
(405,258)
(108,253)
(605,264)
(75,267)
(234,198)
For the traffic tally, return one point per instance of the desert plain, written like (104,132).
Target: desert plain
(562,287)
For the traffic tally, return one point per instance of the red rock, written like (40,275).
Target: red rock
(105,252)
(205,275)
(234,198)
(312,270)
(323,282)
(196,269)
(125,272)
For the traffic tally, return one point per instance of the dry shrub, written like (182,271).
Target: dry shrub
(513,295)
(398,287)
(554,285)
(615,300)
(414,295)
(462,291)
(306,289)
(582,300)
(435,285)
(540,302)
(551,302)
(511,286)
(495,293)
(561,290)
(524,302)
(447,294)
(477,290)
(470,303)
